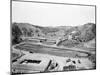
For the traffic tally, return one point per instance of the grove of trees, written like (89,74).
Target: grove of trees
(16,34)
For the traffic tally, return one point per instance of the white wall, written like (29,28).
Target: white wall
(5,38)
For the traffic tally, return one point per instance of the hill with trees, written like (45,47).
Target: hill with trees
(68,36)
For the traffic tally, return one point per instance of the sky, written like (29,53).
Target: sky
(44,14)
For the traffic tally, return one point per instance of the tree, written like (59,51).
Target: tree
(94,29)
(31,32)
(24,31)
(16,34)
(88,35)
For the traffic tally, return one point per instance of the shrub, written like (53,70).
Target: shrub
(69,68)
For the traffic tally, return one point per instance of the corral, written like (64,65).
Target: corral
(31,62)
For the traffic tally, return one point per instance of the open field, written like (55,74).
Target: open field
(50,50)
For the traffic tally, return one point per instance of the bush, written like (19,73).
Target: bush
(92,58)
(69,68)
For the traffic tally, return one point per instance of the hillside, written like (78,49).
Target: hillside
(63,36)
